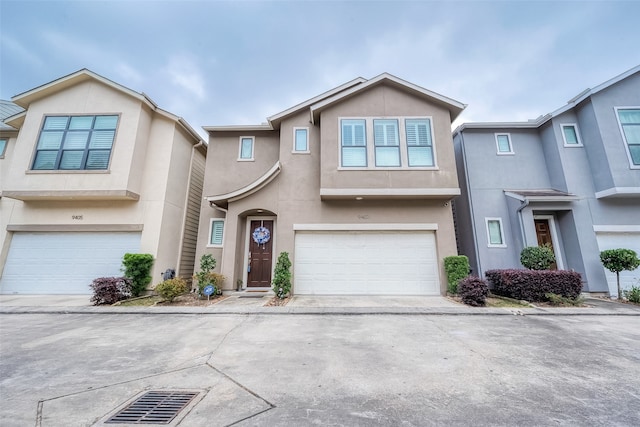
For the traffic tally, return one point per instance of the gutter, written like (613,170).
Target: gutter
(524,204)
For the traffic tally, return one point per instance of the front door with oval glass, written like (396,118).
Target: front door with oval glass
(260,254)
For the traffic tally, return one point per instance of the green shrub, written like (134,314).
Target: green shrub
(473,291)
(110,290)
(206,277)
(559,300)
(137,267)
(617,260)
(537,257)
(281,284)
(633,294)
(170,289)
(457,268)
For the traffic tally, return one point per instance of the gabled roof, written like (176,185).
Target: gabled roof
(26,98)
(343,92)
(536,123)
(8,109)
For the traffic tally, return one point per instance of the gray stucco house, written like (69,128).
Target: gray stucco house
(570,178)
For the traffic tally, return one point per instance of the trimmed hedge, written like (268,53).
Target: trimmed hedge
(473,291)
(457,268)
(110,290)
(532,285)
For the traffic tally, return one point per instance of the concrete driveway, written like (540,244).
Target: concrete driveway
(298,370)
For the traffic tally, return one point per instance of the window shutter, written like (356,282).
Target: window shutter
(216,232)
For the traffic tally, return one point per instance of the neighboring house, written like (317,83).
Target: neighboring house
(570,178)
(355,184)
(92,170)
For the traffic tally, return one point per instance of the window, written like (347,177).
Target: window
(419,143)
(354,143)
(75,143)
(3,147)
(630,125)
(216,231)
(570,135)
(494,232)
(386,142)
(300,140)
(246,148)
(503,142)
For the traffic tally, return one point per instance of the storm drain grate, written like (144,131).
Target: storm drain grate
(153,407)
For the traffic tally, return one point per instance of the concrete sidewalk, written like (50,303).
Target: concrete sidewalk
(240,303)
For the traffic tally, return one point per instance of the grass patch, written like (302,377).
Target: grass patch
(496,301)
(145,301)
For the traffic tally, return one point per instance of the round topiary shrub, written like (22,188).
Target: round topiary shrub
(172,288)
(473,291)
(537,257)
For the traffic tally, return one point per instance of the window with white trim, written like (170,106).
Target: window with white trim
(387,143)
(629,119)
(300,140)
(245,151)
(216,232)
(3,147)
(570,135)
(495,236)
(354,143)
(419,142)
(503,143)
(75,143)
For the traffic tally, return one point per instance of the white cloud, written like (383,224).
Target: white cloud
(184,73)
(14,47)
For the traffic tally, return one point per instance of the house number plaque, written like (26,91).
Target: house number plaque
(77,217)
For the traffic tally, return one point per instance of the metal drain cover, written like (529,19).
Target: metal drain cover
(153,407)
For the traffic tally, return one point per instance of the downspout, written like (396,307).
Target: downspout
(470,200)
(524,204)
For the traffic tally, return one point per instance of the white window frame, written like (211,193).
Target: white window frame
(3,148)
(383,144)
(210,244)
(370,144)
(495,245)
(564,138)
(624,137)
(295,132)
(253,149)
(504,153)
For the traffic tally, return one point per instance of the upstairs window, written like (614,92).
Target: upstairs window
(3,147)
(570,135)
(630,125)
(503,143)
(419,142)
(386,142)
(300,140)
(75,143)
(246,148)
(354,143)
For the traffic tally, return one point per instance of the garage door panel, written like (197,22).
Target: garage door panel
(397,263)
(63,263)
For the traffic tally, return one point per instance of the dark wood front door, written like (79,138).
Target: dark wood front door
(543,233)
(260,253)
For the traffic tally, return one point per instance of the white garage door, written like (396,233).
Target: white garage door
(63,263)
(366,263)
(629,240)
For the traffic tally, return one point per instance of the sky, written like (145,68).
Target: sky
(239,62)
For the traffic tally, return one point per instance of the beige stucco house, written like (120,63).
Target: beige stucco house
(355,184)
(92,170)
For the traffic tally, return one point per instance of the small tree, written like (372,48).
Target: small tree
(457,268)
(137,267)
(617,260)
(281,284)
(537,257)
(206,276)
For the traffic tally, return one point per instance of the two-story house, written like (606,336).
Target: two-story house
(570,178)
(91,170)
(355,184)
